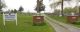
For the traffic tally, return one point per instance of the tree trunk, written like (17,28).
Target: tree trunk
(79,10)
(62,8)
(38,5)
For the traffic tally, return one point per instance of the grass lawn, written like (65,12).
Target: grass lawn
(24,25)
(61,19)
(64,20)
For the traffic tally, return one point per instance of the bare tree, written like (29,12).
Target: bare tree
(60,2)
(78,7)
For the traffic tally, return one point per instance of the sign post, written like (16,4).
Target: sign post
(9,17)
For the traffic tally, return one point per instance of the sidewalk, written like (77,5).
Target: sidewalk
(57,27)
(68,27)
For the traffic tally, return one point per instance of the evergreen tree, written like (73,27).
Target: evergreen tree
(40,6)
(15,11)
(21,9)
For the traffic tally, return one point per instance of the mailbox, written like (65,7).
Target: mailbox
(38,20)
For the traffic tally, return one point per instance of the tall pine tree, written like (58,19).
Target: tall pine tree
(21,9)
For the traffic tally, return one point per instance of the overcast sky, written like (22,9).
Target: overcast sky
(30,4)
(26,4)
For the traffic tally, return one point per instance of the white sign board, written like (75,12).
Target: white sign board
(10,17)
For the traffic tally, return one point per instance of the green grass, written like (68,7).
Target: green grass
(24,25)
(64,20)
(78,23)
(61,19)
(1,23)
